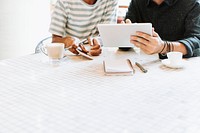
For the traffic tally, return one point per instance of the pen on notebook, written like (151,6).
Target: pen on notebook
(141,67)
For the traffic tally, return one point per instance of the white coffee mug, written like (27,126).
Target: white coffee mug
(175,57)
(53,50)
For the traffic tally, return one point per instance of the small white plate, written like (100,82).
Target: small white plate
(167,63)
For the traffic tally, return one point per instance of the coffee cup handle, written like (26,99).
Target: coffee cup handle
(43,49)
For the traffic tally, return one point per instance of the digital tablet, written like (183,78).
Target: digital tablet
(118,35)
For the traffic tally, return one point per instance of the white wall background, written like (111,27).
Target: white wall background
(23,23)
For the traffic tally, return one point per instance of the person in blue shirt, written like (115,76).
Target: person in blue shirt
(176,26)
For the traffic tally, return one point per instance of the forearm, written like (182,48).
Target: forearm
(180,47)
(68,41)
(57,39)
(192,45)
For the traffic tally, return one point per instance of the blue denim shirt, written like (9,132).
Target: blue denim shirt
(173,20)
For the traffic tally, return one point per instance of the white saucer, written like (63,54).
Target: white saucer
(167,63)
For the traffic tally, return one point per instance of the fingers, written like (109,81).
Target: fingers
(142,41)
(95,52)
(122,22)
(142,38)
(143,47)
(90,42)
(127,21)
(139,40)
(73,49)
(83,49)
(149,44)
(155,34)
(96,48)
(69,41)
(93,42)
(143,35)
(96,44)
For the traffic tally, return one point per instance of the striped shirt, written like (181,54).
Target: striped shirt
(79,19)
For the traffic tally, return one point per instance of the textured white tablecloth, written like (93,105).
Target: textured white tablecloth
(76,96)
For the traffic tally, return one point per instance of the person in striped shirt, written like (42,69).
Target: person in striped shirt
(78,19)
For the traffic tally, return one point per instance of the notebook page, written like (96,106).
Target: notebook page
(117,66)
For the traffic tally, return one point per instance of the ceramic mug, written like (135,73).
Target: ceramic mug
(55,51)
(175,57)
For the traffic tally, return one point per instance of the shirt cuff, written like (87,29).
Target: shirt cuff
(188,48)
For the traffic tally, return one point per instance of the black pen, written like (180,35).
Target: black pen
(141,67)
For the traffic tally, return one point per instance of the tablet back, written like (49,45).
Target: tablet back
(118,35)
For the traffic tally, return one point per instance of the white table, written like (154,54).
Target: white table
(76,96)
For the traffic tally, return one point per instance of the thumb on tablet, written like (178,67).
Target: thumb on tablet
(128,21)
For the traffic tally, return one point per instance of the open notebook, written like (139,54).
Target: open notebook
(118,67)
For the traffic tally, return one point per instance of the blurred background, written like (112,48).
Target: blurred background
(23,23)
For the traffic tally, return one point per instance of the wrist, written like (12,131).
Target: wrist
(162,48)
(168,47)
